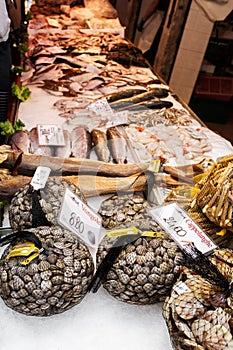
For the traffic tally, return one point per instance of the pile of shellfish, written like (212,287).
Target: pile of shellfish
(122,208)
(57,277)
(215,197)
(145,269)
(54,281)
(198,311)
(50,200)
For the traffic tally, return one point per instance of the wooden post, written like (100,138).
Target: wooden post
(133,19)
(170,38)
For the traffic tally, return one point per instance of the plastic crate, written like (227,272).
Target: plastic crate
(215,88)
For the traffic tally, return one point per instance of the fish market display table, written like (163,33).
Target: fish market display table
(69,72)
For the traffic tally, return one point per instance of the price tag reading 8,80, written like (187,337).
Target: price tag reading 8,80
(77,217)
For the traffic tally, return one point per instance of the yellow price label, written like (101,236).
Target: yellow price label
(132,230)
(23,249)
(152,234)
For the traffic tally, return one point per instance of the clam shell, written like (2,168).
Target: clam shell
(68,260)
(30,287)
(22,293)
(32,268)
(141,279)
(18,283)
(122,208)
(37,278)
(45,275)
(53,300)
(4,276)
(37,293)
(131,258)
(46,285)
(44,265)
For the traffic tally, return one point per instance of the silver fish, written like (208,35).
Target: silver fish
(117,145)
(64,151)
(80,142)
(19,141)
(99,139)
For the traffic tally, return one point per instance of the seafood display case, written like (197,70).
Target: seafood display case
(101,148)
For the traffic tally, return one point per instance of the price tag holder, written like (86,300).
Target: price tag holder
(182,228)
(40,177)
(77,217)
(50,135)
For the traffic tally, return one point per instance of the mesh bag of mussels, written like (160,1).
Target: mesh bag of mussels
(54,281)
(146,267)
(199,310)
(55,274)
(30,208)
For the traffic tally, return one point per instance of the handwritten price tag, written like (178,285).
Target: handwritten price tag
(100,107)
(77,217)
(40,177)
(50,135)
(182,228)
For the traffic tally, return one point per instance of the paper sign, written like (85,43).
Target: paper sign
(50,135)
(40,177)
(182,228)
(100,107)
(77,217)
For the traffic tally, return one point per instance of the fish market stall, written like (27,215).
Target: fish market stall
(101,144)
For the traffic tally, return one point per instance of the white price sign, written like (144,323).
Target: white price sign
(100,107)
(50,135)
(182,228)
(77,217)
(40,177)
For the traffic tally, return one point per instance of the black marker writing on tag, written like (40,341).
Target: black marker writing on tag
(76,222)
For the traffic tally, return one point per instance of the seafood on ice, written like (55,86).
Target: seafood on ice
(171,143)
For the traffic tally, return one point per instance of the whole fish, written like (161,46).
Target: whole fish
(64,151)
(159,104)
(145,105)
(80,142)
(123,94)
(19,141)
(100,141)
(143,97)
(35,147)
(117,145)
